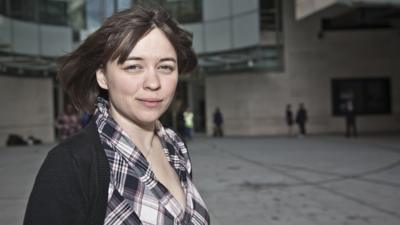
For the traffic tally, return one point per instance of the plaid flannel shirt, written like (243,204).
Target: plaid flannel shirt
(135,196)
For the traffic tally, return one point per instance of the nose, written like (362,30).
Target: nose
(152,81)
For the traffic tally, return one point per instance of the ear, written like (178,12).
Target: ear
(101,79)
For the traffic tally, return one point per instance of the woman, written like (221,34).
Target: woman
(124,167)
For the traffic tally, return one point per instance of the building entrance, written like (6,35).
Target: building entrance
(189,93)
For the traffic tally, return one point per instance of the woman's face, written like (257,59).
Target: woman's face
(142,88)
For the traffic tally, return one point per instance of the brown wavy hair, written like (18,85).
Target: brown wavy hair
(114,40)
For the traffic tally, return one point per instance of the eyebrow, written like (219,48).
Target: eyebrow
(161,60)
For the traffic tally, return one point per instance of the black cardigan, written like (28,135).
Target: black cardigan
(72,184)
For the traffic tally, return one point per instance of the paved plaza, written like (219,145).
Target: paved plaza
(321,180)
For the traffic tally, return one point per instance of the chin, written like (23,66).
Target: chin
(148,118)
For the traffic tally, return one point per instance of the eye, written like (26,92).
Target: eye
(133,68)
(166,68)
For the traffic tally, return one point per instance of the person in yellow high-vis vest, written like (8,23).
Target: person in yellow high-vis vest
(188,117)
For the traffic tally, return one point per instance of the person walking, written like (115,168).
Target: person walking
(218,122)
(301,119)
(124,167)
(289,119)
(188,117)
(180,120)
(350,117)
(67,123)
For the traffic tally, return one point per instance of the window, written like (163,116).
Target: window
(185,11)
(369,95)
(53,12)
(362,18)
(3,7)
(23,10)
(270,15)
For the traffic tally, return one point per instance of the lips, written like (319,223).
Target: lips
(150,102)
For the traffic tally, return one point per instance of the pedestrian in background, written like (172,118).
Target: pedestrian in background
(180,120)
(301,119)
(85,119)
(218,123)
(350,117)
(188,117)
(289,119)
(68,123)
(125,167)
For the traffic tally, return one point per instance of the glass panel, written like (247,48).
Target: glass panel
(270,14)
(258,58)
(3,7)
(23,10)
(362,18)
(123,4)
(64,13)
(94,14)
(185,11)
(53,12)
(109,7)
(89,14)
(77,14)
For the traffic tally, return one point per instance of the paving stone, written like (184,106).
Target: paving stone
(317,180)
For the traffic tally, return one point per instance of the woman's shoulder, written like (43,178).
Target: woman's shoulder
(173,135)
(81,146)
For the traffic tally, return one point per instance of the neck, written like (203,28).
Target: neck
(141,133)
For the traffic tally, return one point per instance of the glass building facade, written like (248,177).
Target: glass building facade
(89,14)
(240,50)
